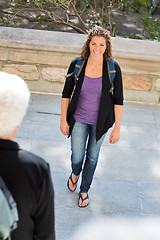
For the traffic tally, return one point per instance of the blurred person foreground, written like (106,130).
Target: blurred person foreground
(119,229)
(26,175)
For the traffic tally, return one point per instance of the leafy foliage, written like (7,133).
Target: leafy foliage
(143,8)
(80,15)
(151,27)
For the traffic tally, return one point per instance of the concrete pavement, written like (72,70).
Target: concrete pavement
(127,178)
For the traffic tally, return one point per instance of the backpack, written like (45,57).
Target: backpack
(8,212)
(110,66)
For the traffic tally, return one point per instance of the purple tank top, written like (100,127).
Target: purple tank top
(89,100)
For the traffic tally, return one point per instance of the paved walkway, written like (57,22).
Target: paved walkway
(127,179)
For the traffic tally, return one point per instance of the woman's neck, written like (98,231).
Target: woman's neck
(94,67)
(95,60)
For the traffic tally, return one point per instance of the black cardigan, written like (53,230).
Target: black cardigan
(28,178)
(106,116)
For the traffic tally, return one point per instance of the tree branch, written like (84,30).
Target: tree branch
(78,15)
(19,15)
(62,21)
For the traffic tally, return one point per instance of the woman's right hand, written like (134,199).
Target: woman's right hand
(64,127)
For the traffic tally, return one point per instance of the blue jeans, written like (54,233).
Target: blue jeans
(83,142)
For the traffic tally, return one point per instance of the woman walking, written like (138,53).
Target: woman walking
(89,108)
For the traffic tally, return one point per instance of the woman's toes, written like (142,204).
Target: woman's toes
(83,200)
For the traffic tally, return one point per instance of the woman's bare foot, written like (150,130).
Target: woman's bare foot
(72,182)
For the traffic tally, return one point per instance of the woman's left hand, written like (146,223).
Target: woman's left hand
(115,136)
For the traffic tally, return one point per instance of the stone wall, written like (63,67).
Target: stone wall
(42,58)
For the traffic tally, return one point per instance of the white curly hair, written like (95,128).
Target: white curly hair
(14,98)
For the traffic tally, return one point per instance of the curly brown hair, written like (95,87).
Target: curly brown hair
(101,32)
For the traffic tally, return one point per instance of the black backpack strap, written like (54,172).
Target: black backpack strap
(111,73)
(78,68)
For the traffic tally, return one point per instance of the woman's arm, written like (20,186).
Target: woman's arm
(66,95)
(118,105)
(115,134)
(64,107)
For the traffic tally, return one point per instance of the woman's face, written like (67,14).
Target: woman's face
(97,46)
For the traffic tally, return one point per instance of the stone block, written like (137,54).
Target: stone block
(122,196)
(3,54)
(25,56)
(151,206)
(27,72)
(157,85)
(150,189)
(35,131)
(57,153)
(141,96)
(135,82)
(40,57)
(44,103)
(54,74)
(134,163)
(45,87)
(138,67)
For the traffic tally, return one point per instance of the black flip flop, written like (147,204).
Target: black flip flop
(73,183)
(83,199)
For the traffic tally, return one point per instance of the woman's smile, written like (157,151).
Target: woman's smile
(97,46)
